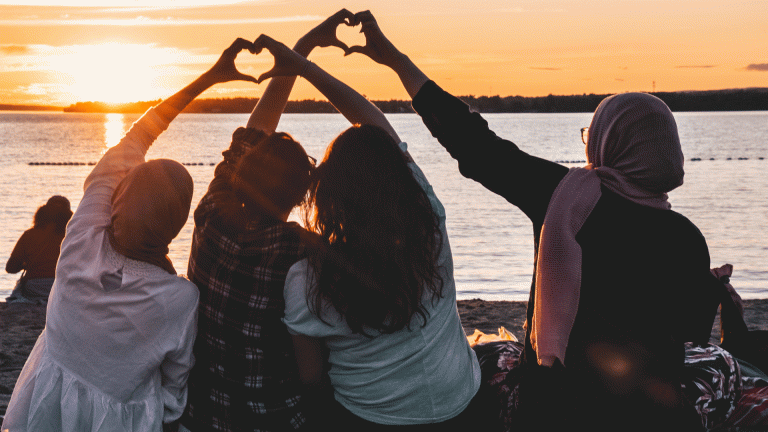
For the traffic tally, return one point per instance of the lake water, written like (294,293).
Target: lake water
(725,192)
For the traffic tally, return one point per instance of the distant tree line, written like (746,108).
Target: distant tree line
(753,99)
(7,107)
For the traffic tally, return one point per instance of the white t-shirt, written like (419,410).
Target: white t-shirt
(427,374)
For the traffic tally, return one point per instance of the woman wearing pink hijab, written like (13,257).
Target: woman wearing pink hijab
(621,281)
(117,345)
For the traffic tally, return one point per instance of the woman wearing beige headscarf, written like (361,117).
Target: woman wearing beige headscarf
(621,281)
(117,346)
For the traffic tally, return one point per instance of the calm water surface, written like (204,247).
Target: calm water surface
(491,240)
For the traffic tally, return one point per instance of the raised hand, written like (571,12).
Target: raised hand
(377,46)
(324,35)
(225,70)
(287,61)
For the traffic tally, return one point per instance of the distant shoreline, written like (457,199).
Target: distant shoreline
(749,99)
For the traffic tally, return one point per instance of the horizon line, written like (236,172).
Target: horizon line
(123,104)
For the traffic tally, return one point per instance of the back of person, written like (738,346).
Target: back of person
(646,290)
(244,358)
(245,373)
(39,251)
(639,262)
(427,371)
(424,373)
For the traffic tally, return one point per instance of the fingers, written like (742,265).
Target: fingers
(363,17)
(344,16)
(339,44)
(238,45)
(266,75)
(357,49)
(244,77)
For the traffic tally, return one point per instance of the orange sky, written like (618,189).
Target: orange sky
(61,52)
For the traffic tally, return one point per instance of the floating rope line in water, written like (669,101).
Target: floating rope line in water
(696,159)
(94,163)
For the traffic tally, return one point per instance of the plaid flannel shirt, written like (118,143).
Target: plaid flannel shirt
(245,376)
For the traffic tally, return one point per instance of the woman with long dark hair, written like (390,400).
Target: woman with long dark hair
(378,297)
(37,252)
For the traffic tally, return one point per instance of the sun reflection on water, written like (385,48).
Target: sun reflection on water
(114,129)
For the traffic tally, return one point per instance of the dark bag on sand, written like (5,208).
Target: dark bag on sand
(744,344)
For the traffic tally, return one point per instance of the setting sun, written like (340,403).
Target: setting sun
(115,73)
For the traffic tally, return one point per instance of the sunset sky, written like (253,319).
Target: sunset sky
(62,52)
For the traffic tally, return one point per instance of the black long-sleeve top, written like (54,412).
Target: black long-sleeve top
(645,271)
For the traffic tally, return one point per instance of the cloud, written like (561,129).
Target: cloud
(146,21)
(546,68)
(14,49)
(695,66)
(760,67)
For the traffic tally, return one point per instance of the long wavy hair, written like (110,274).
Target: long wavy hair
(381,235)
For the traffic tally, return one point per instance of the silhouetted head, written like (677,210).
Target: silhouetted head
(56,212)
(149,208)
(273,177)
(382,232)
(636,134)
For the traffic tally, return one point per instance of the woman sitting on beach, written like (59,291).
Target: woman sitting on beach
(379,297)
(37,251)
(621,281)
(117,344)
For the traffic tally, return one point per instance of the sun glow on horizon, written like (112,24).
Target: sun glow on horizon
(114,129)
(116,73)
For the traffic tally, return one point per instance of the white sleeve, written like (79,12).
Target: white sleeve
(95,207)
(298,317)
(437,206)
(176,367)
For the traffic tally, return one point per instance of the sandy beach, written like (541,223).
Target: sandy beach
(20,325)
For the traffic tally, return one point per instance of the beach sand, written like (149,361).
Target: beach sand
(20,325)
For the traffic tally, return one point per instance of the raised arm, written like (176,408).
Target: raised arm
(223,71)
(95,207)
(266,114)
(131,149)
(382,51)
(499,165)
(351,104)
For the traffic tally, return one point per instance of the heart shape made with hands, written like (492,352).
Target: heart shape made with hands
(350,35)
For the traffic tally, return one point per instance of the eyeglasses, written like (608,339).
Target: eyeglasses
(312,161)
(585,135)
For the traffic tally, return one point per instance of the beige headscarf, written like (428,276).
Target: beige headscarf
(149,208)
(633,150)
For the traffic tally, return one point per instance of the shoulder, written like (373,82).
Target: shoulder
(180,290)
(29,234)
(296,282)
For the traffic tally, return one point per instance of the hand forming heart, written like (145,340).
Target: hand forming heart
(377,46)
(225,70)
(290,63)
(324,35)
